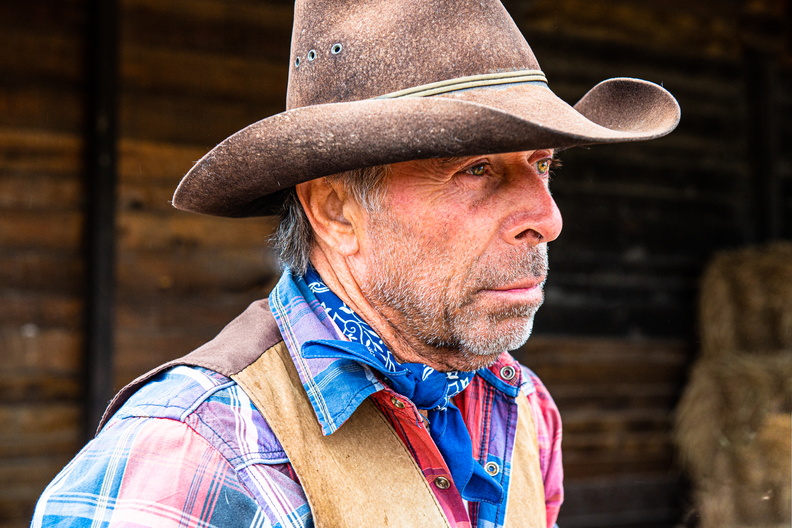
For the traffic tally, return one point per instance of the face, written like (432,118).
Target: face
(456,257)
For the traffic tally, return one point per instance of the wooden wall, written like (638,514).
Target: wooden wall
(192,73)
(41,267)
(618,330)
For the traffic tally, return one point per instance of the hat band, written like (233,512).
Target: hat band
(472,81)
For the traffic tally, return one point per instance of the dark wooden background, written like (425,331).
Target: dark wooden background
(618,330)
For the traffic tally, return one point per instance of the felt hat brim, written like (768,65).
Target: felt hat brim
(242,175)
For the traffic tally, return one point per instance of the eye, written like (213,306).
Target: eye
(478,170)
(543,166)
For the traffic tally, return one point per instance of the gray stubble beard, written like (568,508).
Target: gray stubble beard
(447,321)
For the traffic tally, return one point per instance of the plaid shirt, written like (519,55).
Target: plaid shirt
(189,449)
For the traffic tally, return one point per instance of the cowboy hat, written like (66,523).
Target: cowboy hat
(373,82)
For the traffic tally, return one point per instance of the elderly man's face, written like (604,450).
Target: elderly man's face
(457,257)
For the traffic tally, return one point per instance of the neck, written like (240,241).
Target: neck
(340,276)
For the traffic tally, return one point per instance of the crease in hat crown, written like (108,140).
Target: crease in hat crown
(373,82)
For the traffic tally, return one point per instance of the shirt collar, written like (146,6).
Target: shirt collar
(336,387)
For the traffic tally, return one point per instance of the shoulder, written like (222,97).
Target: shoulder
(211,406)
(535,384)
(187,442)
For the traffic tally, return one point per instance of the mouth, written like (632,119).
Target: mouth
(527,283)
(528,290)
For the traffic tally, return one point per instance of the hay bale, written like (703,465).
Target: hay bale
(746,301)
(734,434)
(734,421)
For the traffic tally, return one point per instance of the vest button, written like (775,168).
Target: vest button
(492,468)
(397,402)
(508,372)
(442,483)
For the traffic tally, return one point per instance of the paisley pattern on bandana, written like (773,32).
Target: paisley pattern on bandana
(356,329)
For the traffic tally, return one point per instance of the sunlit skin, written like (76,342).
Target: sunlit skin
(454,255)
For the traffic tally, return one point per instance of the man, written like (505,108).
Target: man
(373,387)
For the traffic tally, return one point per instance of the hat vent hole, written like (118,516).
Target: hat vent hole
(336,49)
(297,62)
(311,55)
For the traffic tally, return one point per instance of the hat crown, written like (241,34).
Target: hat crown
(348,50)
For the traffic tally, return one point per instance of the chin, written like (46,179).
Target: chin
(501,337)
(474,352)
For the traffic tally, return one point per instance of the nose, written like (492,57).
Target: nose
(536,218)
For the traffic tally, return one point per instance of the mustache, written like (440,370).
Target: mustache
(532,263)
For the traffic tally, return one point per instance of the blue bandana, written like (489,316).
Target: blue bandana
(426,387)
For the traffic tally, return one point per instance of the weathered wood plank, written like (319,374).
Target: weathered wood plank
(44,17)
(644,501)
(26,151)
(41,309)
(139,351)
(616,395)
(176,117)
(54,107)
(700,29)
(41,229)
(593,348)
(573,313)
(42,57)
(205,314)
(574,64)
(147,196)
(36,191)
(598,421)
(30,348)
(598,361)
(255,29)
(18,387)
(162,327)
(38,429)
(147,162)
(142,230)
(656,182)
(585,465)
(581,305)
(603,374)
(41,160)
(631,224)
(647,444)
(203,270)
(213,75)
(54,271)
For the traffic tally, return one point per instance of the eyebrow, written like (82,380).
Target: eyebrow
(445,162)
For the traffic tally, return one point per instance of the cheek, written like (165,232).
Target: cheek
(451,233)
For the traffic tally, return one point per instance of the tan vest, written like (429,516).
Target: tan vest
(362,475)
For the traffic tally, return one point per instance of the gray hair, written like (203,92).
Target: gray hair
(294,237)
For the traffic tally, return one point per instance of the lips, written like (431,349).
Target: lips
(528,283)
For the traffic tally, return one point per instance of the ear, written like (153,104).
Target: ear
(333,214)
